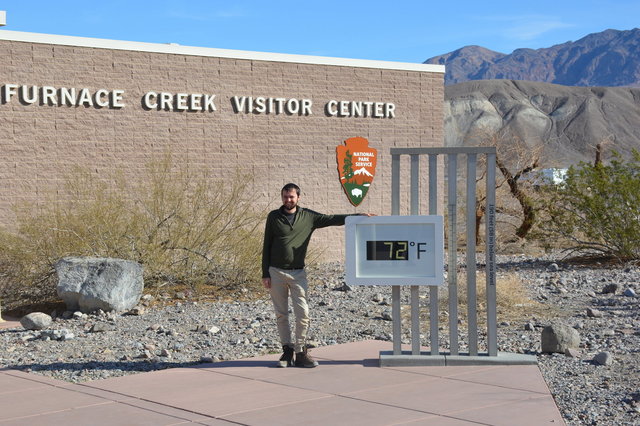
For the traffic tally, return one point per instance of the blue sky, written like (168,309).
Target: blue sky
(404,31)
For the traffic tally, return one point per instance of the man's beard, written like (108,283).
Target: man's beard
(290,206)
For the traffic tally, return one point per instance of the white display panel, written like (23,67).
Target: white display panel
(394,250)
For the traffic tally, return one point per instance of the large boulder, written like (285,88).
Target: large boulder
(558,338)
(36,321)
(89,283)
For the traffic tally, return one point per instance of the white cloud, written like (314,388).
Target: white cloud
(525,27)
(531,29)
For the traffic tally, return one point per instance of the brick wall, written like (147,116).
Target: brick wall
(39,143)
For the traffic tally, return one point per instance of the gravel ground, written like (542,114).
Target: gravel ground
(599,301)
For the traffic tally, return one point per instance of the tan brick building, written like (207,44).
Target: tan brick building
(111,105)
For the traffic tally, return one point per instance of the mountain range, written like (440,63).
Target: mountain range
(609,58)
(567,98)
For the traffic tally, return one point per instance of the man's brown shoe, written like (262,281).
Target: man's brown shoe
(303,359)
(286,360)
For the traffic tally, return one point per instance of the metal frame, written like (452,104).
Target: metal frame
(452,154)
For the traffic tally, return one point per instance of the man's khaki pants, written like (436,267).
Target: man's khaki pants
(283,283)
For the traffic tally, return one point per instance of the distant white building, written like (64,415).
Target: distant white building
(548,176)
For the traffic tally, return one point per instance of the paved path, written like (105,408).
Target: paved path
(348,388)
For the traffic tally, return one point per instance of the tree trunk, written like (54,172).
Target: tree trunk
(479,215)
(528,208)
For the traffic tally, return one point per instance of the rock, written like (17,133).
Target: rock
(572,353)
(63,335)
(36,321)
(558,338)
(88,284)
(553,267)
(529,326)
(594,313)
(603,358)
(213,330)
(630,293)
(137,310)
(610,288)
(67,336)
(101,327)
(343,287)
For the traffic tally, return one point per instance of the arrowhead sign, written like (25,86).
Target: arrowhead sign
(356,168)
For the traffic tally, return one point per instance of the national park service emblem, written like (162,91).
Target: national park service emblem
(356,168)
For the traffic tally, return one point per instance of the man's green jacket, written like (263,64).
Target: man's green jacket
(285,245)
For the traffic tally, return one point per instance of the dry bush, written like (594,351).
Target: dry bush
(512,300)
(185,229)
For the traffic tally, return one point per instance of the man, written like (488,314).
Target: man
(286,238)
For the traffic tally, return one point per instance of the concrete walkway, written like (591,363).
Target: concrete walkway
(348,388)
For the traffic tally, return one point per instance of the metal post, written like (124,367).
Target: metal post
(415,290)
(433,290)
(395,290)
(472,314)
(395,184)
(452,275)
(490,257)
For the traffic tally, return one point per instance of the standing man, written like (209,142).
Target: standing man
(286,238)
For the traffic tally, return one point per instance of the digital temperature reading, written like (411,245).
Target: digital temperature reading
(387,250)
(394,250)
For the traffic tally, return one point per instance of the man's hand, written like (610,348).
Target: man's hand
(266,282)
(367,214)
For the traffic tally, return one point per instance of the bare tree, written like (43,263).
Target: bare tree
(600,146)
(515,159)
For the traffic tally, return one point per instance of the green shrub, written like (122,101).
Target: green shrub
(185,229)
(597,209)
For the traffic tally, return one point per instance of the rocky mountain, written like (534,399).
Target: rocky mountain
(608,58)
(568,121)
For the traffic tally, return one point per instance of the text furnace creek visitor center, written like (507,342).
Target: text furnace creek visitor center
(114,106)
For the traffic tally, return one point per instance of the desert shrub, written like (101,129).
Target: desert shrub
(185,229)
(513,301)
(597,209)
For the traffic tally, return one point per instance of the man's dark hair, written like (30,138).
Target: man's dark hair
(290,186)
